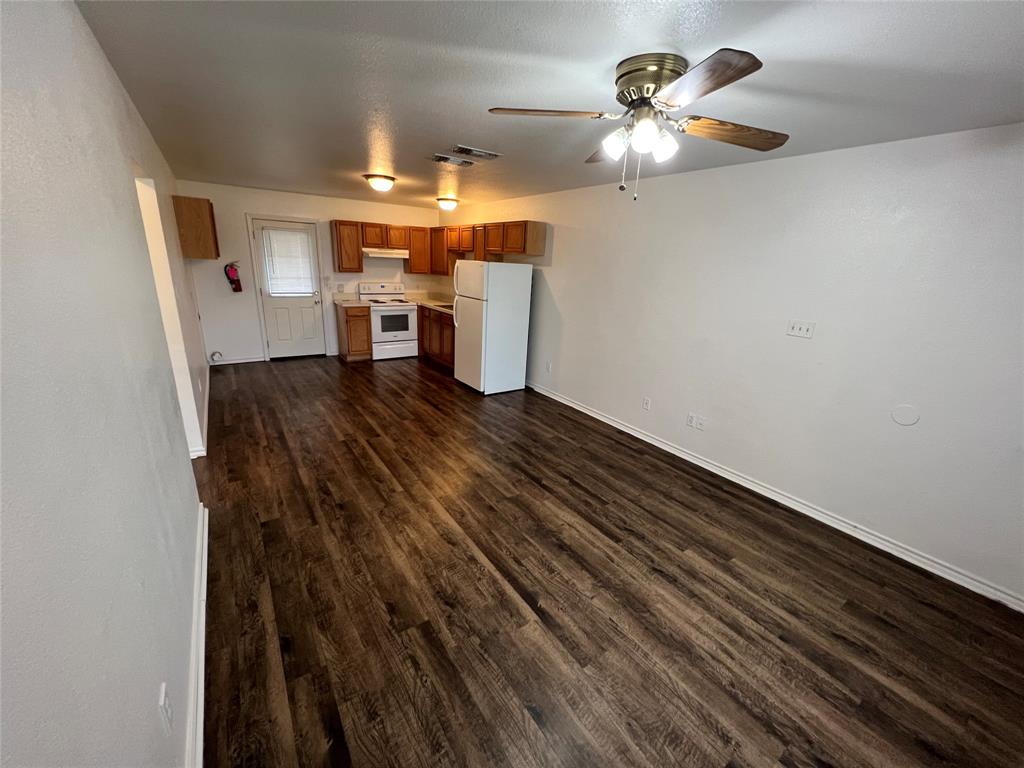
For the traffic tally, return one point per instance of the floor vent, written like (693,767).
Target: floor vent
(477,154)
(461,162)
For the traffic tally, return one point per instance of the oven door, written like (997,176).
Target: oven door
(393,324)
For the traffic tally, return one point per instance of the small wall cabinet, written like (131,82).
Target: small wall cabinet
(197,229)
(354,340)
(397,237)
(374,235)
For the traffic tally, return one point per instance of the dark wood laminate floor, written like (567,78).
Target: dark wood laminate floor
(404,573)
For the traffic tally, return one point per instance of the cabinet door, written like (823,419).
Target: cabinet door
(466,239)
(513,237)
(373,235)
(478,243)
(446,354)
(358,321)
(493,238)
(421,330)
(434,334)
(453,238)
(398,237)
(197,230)
(438,251)
(348,254)
(419,251)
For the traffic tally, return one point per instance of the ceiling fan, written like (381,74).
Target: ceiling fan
(653,85)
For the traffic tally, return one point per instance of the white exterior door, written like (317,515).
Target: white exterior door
(292,310)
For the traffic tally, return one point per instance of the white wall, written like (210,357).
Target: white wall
(907,255)
(231,320)
(99,502)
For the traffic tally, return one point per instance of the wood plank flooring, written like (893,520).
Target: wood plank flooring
(404,573)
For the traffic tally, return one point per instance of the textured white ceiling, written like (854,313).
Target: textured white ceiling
(308,96)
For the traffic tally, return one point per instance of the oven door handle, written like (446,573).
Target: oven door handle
(455,310)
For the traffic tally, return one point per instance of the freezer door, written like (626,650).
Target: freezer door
(471,279)
(470,315)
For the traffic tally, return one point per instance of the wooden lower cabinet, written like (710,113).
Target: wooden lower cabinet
(437,336)
(354,339)
(446,355)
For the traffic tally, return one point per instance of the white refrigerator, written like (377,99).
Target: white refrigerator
(492,324)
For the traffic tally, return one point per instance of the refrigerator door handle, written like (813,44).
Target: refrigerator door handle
(455,310)
(455,278)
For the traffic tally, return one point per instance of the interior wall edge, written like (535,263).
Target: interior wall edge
(885,543)
(197,660)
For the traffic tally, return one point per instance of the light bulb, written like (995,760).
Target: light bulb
(664,147)
(615,143)
(379,182)
(447,203)
(645,134)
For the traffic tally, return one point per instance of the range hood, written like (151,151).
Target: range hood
(386,253)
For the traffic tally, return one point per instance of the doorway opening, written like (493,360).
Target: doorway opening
(149,207)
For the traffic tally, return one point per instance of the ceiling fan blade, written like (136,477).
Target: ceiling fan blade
(553,113)
(732,133)
(722,67)
(598,157)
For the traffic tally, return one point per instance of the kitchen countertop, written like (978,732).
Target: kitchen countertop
(352,300)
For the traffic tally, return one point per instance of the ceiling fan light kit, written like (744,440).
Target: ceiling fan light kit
(379,182)
(653,85)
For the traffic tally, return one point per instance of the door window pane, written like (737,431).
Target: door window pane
(289,262)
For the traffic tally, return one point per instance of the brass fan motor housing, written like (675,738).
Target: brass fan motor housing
(642,76)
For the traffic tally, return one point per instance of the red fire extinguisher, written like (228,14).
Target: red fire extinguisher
(231,273)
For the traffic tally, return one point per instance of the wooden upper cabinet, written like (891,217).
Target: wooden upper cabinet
(348,252)
(493,238)
(197,230)
(397,237)
(478,243)
(513,237)
(438,251)
(466,239)
(453,238)
(419,251)
(374,235)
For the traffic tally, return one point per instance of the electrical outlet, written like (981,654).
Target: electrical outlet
(646,403)
(700,422)
(166,711)
(548,366)
(691,419)
(801,329)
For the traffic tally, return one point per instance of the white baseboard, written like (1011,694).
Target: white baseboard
(235,360)
(197,662)
(945,570)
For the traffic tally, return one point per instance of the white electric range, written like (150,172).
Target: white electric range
(392,320)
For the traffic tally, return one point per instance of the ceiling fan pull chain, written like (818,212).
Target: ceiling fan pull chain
(636,186)
(625,159)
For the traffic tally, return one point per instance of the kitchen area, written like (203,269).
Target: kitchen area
(476,327)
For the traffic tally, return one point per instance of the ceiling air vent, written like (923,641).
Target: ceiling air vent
(477,154)
(461,162)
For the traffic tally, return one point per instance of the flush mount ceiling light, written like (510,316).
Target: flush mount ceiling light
(379,182)
(447,203)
